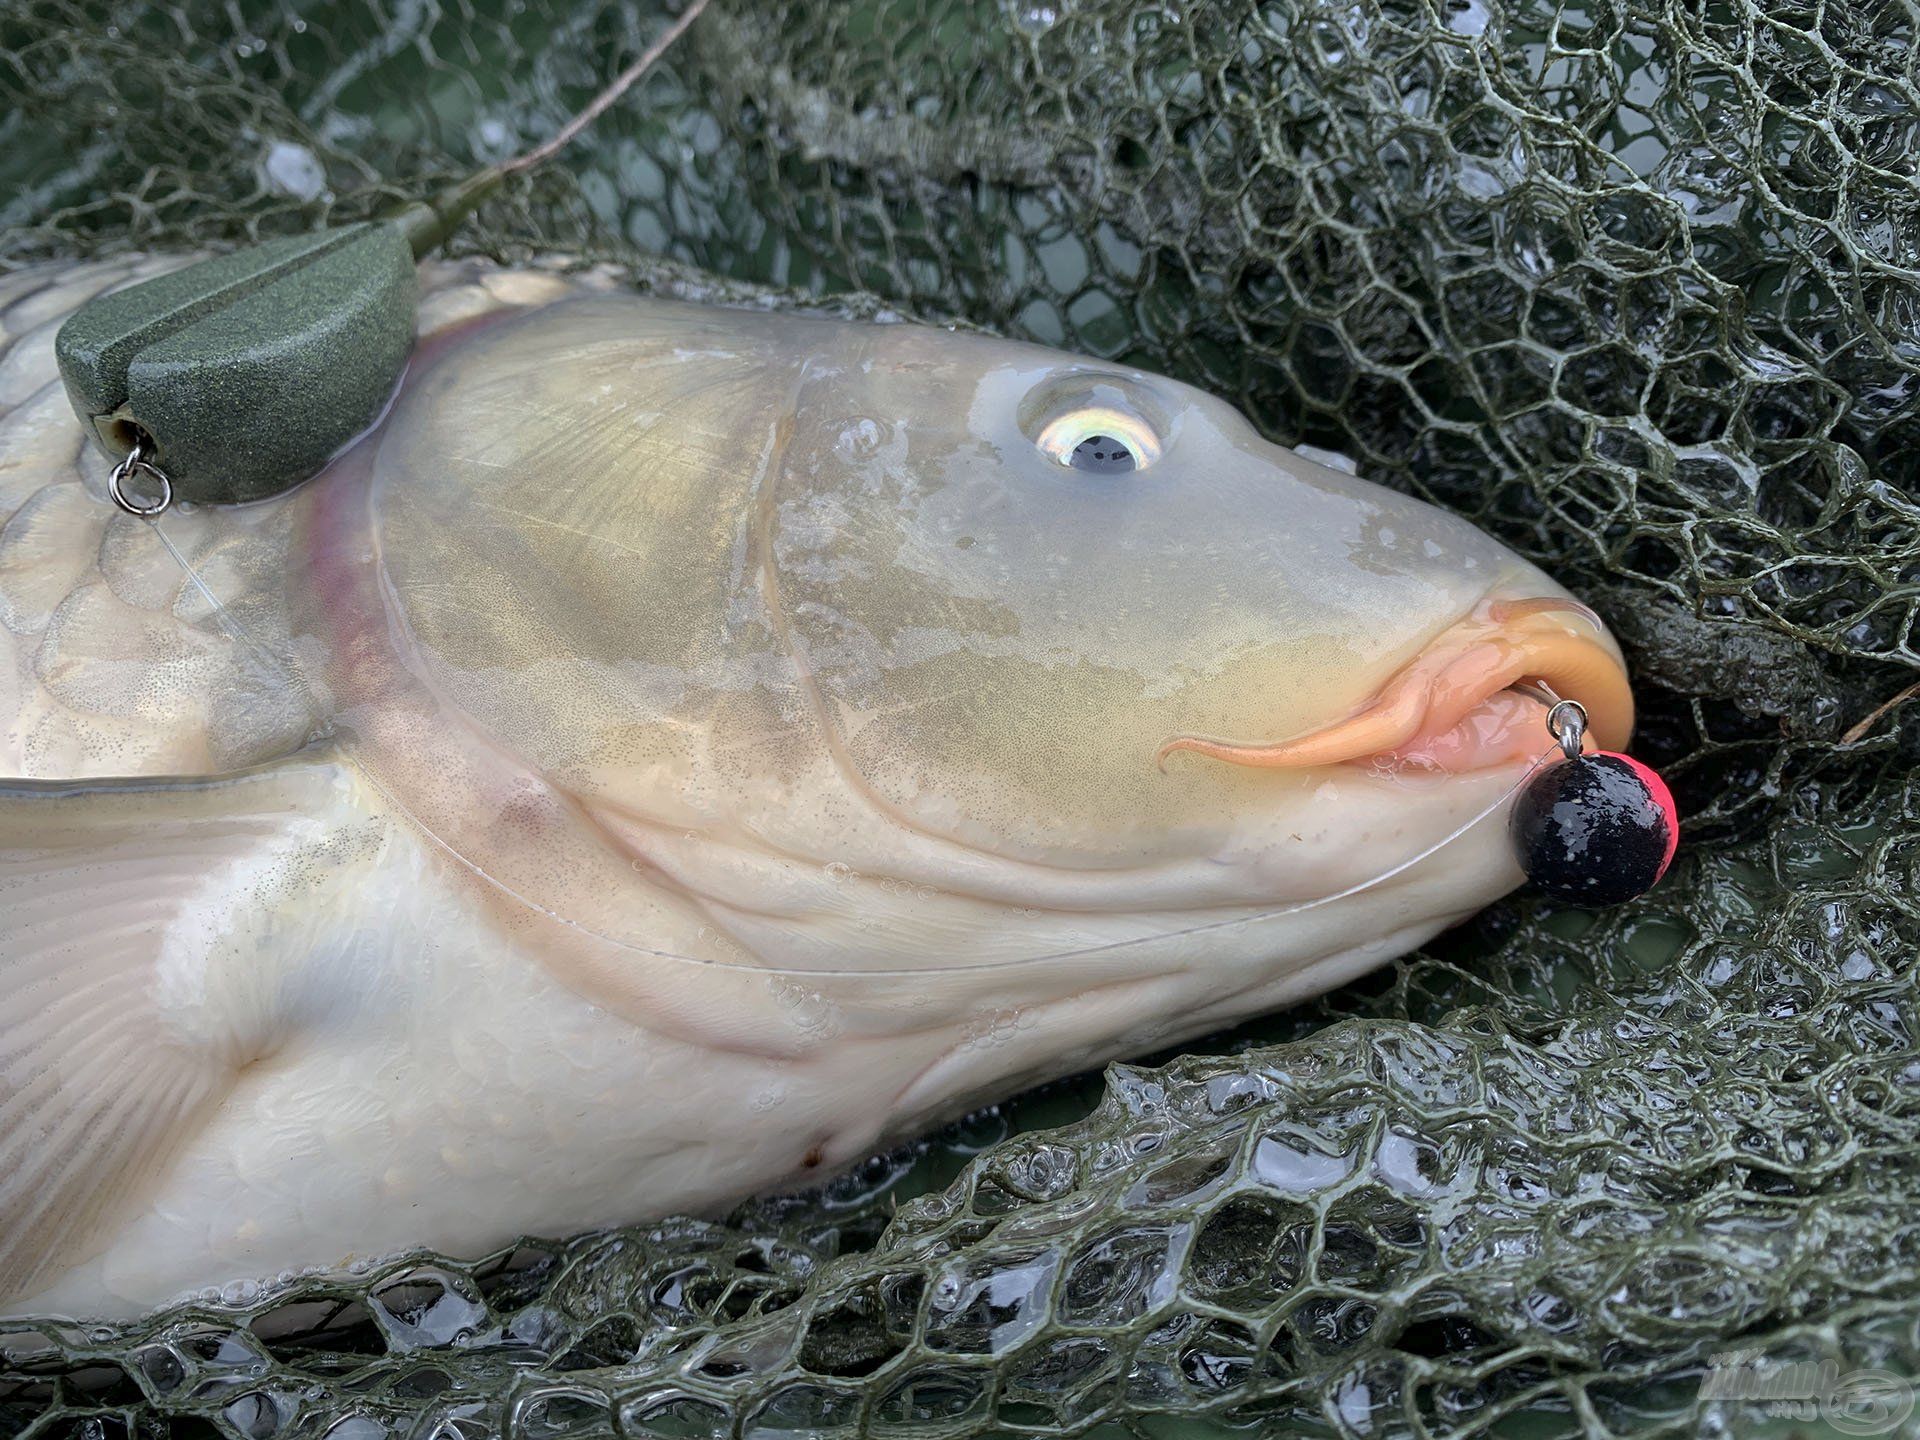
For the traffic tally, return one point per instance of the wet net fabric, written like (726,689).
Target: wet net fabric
(1636,287)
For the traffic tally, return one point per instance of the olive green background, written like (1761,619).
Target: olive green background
(1632,285)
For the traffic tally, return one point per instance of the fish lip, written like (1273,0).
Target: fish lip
(1550,641)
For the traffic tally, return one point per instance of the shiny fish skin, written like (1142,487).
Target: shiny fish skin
(679,750)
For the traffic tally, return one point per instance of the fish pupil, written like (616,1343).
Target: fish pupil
(1102,455)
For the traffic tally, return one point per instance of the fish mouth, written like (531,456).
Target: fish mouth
(1453,706)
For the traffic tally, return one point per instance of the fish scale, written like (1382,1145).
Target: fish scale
(1377,315)
(61,547)
(729,732)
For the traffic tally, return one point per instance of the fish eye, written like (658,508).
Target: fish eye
(1099,440)
(1096,424)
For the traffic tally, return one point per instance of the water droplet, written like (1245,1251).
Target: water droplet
(860,438)
(1467,17)
(1036,17)
(291,169)
(1298,1171)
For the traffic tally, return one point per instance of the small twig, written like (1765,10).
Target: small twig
(1867,724)
(559,140)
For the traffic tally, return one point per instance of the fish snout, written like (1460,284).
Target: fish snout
(1453,707)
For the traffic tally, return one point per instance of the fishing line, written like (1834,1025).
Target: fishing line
(238,377)
(291,291)
(238,632)
(976,967)
(923,973)
(224,617)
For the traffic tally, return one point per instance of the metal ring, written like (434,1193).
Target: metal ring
(1567,723)
(136,460)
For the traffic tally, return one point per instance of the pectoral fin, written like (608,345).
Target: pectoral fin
(117,1040)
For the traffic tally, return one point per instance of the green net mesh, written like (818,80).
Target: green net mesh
(1634,284)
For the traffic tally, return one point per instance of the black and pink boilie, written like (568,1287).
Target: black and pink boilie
(1595,830)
